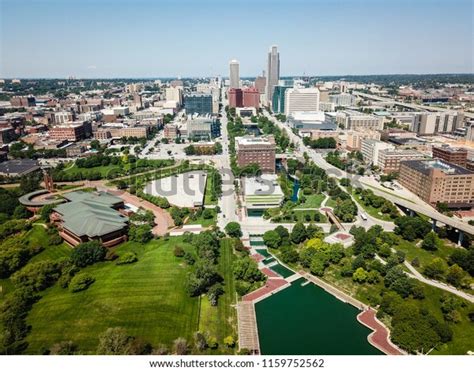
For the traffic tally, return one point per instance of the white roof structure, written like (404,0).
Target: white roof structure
(182,190)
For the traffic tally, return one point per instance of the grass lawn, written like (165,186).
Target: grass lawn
(221,321)
(388,192)
(147,298)
(208,192)
(204,222)
(331,202)
(372,211)
(103,170)
(425,257)
(38,235)
(312,201)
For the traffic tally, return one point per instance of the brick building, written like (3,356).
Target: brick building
(438,181)
(256,150)
(456,156)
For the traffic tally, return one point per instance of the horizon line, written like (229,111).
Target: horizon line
(242,77)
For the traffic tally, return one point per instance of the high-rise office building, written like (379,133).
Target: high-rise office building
(273,71)
(278,100)
(235,97)
(234,74)
(251,98)
(198,103)
(260,83)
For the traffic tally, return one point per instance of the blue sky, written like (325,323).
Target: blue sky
(145,38)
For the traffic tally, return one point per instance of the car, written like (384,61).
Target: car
(363,216)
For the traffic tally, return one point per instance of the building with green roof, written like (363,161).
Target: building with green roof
(89,216)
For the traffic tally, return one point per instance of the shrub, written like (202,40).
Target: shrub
(88,253)
(81,282)
(127,258)
(178,251)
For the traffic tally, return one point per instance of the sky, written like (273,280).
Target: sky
(198,38)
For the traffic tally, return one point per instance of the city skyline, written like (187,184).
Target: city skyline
(395,37)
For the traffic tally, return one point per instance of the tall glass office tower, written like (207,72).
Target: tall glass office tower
(273,71)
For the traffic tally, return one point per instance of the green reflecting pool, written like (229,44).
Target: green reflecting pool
(282,270)
(308,320)
(263,252)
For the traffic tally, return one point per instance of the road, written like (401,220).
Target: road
(228,201)
(364,182)
(408,105)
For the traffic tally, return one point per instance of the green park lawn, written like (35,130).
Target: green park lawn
(463,331)
(221,320)
(207,195)
(331,202)
(425,257)
(312,201)
(104,171)
(147,298)
(204,222)
(372,211)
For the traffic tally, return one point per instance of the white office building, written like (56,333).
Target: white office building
(432,123)
(306,99)
(355,120)
(342,100)
(174,94)
(370,149)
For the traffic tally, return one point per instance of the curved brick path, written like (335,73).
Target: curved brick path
(380,337)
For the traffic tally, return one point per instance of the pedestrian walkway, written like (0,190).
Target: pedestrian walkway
(163,220)
(247,327)
(272,286)
(380,337)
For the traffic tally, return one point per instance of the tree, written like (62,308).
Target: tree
(233,229)
(64,348)
(190,150)
(282,232)
(140,233)
(37,276)
(114,341)
(88,253)
(436,269)
(289,254)
(430,242)
(272,239)
(214,292)
(229,342)
(200,341)
(180,346)
(360,275)
(318,265)
(456,275)
(298,234)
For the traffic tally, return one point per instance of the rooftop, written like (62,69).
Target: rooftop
(91,214)
(426,166)
(264,185)
(183,190)
(19,167)
(248,140)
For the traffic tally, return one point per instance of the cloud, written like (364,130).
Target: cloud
(92,67)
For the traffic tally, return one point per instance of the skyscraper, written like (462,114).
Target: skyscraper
(234,74)
(273,71)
